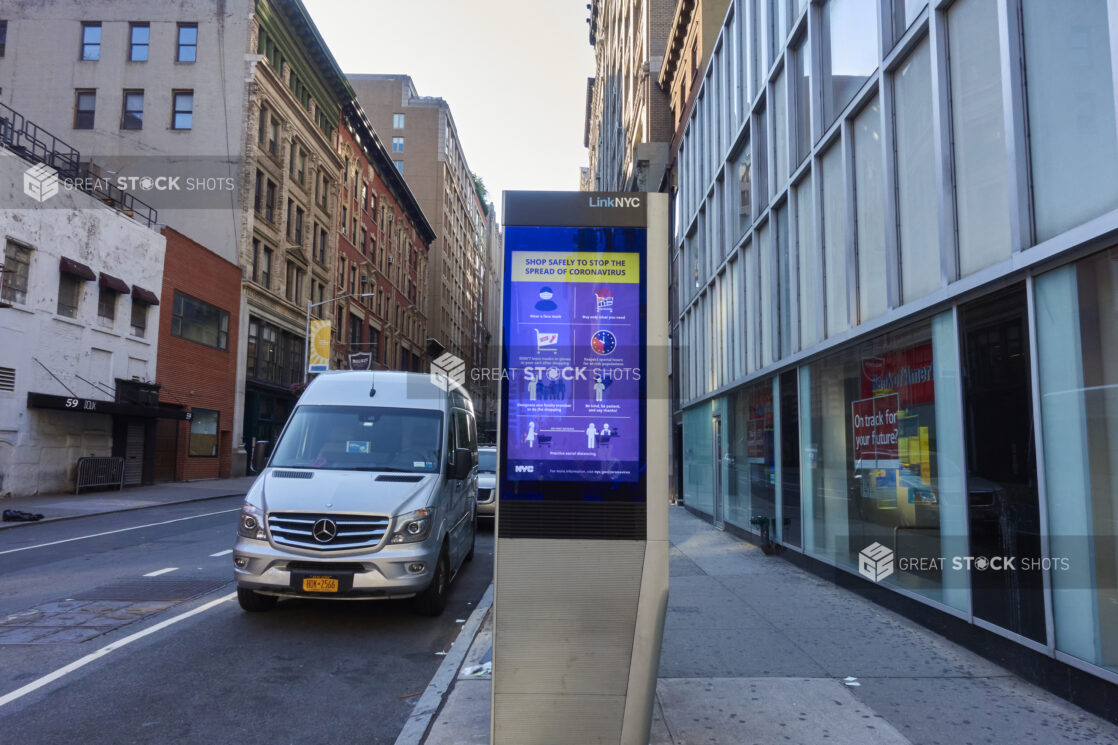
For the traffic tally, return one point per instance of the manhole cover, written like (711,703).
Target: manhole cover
(153,588)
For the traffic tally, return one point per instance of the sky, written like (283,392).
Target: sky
(513,71)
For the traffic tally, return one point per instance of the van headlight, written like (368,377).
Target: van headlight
(413,527)
(251,523)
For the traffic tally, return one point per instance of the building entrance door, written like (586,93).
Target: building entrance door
(134,455)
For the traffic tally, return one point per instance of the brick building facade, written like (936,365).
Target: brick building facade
(197,364)
(383,240)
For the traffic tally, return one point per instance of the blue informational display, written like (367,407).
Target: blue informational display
(574,357)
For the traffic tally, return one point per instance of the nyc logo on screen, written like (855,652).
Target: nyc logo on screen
(525,469)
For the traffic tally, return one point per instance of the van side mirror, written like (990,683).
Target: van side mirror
(463,464)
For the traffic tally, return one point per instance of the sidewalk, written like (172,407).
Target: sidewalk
(758,651)
(69,505)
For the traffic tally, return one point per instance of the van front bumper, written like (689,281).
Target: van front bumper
(391,572)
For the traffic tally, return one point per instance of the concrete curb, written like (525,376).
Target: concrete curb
(418,724)
(45,520)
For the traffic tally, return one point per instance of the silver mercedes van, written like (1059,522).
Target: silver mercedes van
(370,492)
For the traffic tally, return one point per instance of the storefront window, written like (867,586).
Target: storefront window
(874,473)
(751,482)
(203,432)
(1077,329)
(698,459)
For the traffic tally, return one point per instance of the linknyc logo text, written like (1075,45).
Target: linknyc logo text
(615,201)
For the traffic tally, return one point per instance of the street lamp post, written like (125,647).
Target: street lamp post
(307,356)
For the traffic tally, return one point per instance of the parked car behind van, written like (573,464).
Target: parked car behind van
(370,492)
(487,482)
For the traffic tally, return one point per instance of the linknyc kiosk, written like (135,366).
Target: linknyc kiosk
(582,517)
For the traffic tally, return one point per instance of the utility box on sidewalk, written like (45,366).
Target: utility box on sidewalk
(582,517)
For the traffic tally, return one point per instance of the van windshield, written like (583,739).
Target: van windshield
(361,438)
(487,461)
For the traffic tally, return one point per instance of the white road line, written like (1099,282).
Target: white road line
(63,671)
(158,572)
(122,530)
(226,552)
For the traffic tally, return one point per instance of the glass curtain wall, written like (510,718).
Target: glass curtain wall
(1072,139)
(873,470)
(1077,351)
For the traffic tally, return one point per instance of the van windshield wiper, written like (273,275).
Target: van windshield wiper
(389,469)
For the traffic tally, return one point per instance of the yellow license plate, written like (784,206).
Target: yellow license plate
(320,584)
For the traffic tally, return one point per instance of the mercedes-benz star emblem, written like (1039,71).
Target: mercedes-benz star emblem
(324,530)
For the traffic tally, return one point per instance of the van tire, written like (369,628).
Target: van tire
(432,601)
(254,602)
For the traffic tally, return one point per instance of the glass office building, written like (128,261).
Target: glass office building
(896,273)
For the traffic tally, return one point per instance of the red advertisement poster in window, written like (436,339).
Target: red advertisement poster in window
(907,372)
(876,432)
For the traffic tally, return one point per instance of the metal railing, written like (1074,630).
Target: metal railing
(99,471)
(34,144)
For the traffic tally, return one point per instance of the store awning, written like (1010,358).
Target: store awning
(110,282)
(76,269)
(96,406)
(140,295)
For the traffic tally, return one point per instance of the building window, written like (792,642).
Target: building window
(203,432)
(182,117)
(198,321)
(399,165)
(354,331)
(869,213)
(3,37)
(978,135)
(262,126)
(270,202)
(294,283)
(188,43)
(835,293)
(91,42)
(299,225)
(364,241)
(898,474)
(266,268)
(300,173)
(85,105)
(273,135)
(807,265)
(917,196)
(801,100)
(1076,329)
(69,291)
(397,121)
(1070,92)
(17,268)
(106,304)
(139,318)
(848,60)
(258,192)
(345,219)
(397,144)
(133,115)
(139,33)
(780,133)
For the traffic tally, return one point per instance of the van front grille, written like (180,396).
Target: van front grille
(327,532)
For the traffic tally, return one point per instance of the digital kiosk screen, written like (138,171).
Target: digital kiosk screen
(573,358)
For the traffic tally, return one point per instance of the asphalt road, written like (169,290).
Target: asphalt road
(307,672)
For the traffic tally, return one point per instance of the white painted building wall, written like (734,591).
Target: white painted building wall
(39,448)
